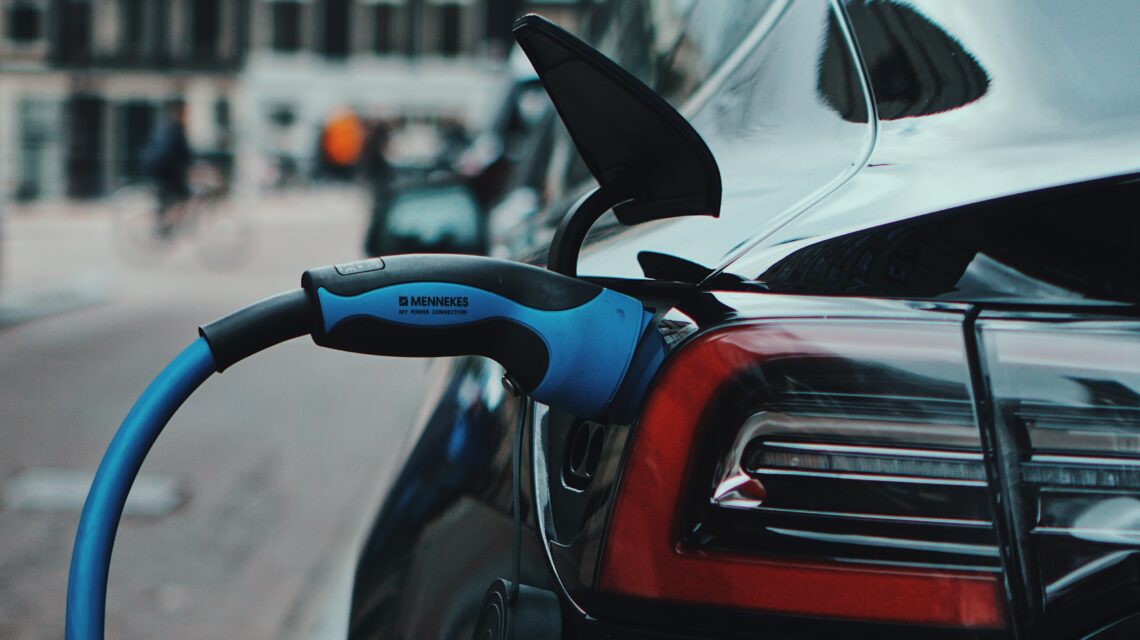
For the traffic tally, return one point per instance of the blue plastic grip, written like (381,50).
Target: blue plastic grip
(589,346)
(91,557)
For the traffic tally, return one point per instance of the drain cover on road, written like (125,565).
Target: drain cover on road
(23,304)
(41,489)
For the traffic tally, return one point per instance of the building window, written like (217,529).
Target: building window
(222,113)
(24,22)
(75,41)
(205,27)
(134,27)
(36,120)
(450,40)
(286,25)
(384,28)
(336,40)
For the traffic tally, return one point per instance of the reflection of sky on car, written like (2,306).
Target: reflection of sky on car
(780,145)
(674,46)
(1031,129)
(774,138)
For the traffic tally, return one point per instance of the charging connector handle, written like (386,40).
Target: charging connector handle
(568,343)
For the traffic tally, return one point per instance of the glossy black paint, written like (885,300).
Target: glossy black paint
(444,532)
(973,160)
(1055,113)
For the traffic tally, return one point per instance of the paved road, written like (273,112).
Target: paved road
(282,457)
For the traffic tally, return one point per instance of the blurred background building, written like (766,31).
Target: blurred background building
(82,82)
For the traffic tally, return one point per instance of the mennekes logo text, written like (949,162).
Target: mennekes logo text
(433,301)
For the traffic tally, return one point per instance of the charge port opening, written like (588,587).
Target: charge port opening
(585,443)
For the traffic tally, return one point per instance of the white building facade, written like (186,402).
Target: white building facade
(82,82)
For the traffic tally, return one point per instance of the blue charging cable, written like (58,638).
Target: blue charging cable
(91,557)
(571,344)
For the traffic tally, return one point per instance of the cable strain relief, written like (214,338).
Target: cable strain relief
(259,326)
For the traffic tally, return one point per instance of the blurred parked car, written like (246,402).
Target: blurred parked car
(441,218)
(475,180)
(903,393)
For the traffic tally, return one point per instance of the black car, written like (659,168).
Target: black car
(902,398)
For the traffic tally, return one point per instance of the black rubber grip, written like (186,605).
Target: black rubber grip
(517,348)
(522,283)
(259,326)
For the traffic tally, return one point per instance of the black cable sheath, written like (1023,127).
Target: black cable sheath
(516,497)
(259,326)
(571,233)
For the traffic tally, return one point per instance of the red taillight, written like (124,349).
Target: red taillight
(646,554)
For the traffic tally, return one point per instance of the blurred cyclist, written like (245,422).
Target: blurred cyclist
(167,160)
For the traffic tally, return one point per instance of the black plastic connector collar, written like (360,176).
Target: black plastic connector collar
(259,326)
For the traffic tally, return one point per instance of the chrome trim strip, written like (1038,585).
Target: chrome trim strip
(773,423)
(763,424)
(874,516)
(893,543)
(1084,571)
(1088,461)
(733,474)
(1120,535)
(871,478)
(878,451)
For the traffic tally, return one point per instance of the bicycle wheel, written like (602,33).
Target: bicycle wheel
(223,231)
(138,237)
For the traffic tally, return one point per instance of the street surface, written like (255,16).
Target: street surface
(280,461)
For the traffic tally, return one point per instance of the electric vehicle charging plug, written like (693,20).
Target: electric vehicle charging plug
(571,344)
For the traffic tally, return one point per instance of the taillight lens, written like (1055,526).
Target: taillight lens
(811,467)
(1065,394)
